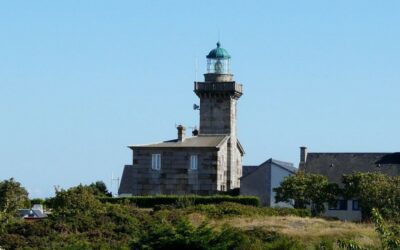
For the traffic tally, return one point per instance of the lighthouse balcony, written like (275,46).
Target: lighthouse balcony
(230,88)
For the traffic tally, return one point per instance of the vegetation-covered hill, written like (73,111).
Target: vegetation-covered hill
(79,219)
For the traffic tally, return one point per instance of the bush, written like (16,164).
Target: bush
(167,230)
(271,240)
(375,190)
(37,201)
(307,189)
(325,244)
(181,201)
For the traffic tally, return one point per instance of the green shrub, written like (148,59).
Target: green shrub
(182,201)
(325,244)
(389,235)
(285,243)
(272,240)
(179,233)
(37,201)
(374,190)
(349,245)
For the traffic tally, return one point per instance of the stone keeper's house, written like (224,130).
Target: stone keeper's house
(210,160)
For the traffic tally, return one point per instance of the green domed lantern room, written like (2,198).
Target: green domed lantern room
(218,63)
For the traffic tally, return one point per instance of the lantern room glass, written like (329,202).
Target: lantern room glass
(218,66)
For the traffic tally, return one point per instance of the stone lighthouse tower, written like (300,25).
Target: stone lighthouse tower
(206,163)
(218,95)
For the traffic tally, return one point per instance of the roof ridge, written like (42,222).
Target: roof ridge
(352,152)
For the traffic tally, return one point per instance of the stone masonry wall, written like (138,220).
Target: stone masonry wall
(223,168)
(217,115)
(175,175)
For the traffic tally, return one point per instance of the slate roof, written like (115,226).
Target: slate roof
(202,141)
(285,165)
(248,169)
(334,165)
(390,159)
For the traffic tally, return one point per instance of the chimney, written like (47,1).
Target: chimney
(181,133)
(303,155)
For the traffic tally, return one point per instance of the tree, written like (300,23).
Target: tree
(76,200)
(12,196)
(76,209)
(374,190)
(307,190)
(100,189)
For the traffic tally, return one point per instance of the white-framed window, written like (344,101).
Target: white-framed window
(156,161)
(194,162)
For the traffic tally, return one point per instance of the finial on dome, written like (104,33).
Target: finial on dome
(218,44)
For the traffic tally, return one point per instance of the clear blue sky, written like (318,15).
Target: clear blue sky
(80,80)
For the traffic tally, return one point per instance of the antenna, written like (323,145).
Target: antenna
(195,68)
(114,179)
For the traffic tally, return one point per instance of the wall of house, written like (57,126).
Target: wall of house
(175,175)
(257,184)
(349,214)
(277,176)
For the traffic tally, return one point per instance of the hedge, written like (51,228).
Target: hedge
(151,201)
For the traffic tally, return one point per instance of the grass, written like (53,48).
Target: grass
(291,223)
(310,231)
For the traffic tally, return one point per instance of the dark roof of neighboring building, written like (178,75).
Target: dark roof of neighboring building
(393,158)
(205,141)
(248,169)
(283,164)
(334,165)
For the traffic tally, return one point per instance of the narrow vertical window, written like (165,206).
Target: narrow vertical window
(193,162)
(156,161)
(356,205)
